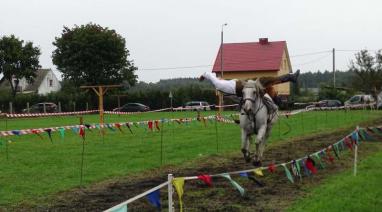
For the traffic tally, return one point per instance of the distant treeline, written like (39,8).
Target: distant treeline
(316,79)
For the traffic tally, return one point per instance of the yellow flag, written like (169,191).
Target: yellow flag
(258,172)
(178,184)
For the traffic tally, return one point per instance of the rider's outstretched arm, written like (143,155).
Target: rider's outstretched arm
(225,86)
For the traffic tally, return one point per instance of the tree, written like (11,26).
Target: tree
(91,55)
(18,61)
(368,72)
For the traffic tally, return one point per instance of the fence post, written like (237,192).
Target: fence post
(28,110)
(356,154)
(44,107)
(87,106)
(74,106)
(170,192)
(59,107)
(161,143)
(10,107)
(216,133)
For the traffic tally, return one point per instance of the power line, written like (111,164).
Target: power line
(312,61)
(230,63)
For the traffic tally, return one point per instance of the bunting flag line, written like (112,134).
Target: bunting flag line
(308,163)
(114,126)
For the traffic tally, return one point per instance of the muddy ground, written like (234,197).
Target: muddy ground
(276,194)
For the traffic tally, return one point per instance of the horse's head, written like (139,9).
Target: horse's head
(250,94)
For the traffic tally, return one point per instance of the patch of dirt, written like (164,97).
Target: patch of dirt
(276,194)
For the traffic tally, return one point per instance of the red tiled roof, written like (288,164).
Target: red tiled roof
(251,56)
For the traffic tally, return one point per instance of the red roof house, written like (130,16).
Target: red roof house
(254,59)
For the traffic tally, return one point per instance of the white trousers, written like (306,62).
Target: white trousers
(225,86)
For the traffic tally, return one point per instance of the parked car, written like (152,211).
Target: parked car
(329,103)
(39,108)
(132,107)
(197,105)
(360,99)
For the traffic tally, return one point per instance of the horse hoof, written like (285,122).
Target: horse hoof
(256,163)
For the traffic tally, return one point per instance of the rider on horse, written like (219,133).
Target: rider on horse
(235,87)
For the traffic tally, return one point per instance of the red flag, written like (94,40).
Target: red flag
(329,156)
(82,132)
(118,126)
(309,163)
(348,143)
(37,132)
(272,168)
(150,123)
(157,125)
(206,179)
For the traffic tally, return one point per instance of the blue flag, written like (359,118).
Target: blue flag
(154,198)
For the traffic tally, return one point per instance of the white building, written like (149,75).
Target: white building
(45,82)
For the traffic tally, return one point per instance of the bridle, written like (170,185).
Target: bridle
(251,116)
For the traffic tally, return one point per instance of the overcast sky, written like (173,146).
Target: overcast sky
(178,33)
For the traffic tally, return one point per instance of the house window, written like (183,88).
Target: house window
(50,83)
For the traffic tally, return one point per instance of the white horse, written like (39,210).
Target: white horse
(255,119)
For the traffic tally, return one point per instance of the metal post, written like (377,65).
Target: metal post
(161,143)
(355,159)
(334,68)
(356,155)
(28,109)
(170,193)
(87,106)
(216,132)
(74,106)
(44,107)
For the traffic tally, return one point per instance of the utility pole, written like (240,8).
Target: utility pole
(220,95)
(334,68)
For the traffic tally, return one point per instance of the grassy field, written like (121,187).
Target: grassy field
(344,192)
(36,168)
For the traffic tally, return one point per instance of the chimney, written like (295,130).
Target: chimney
(263,41)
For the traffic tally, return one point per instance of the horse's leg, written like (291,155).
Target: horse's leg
(260,138)
(245,146)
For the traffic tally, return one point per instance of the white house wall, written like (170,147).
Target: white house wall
(45,88)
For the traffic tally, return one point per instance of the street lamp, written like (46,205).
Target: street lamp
(221,50)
